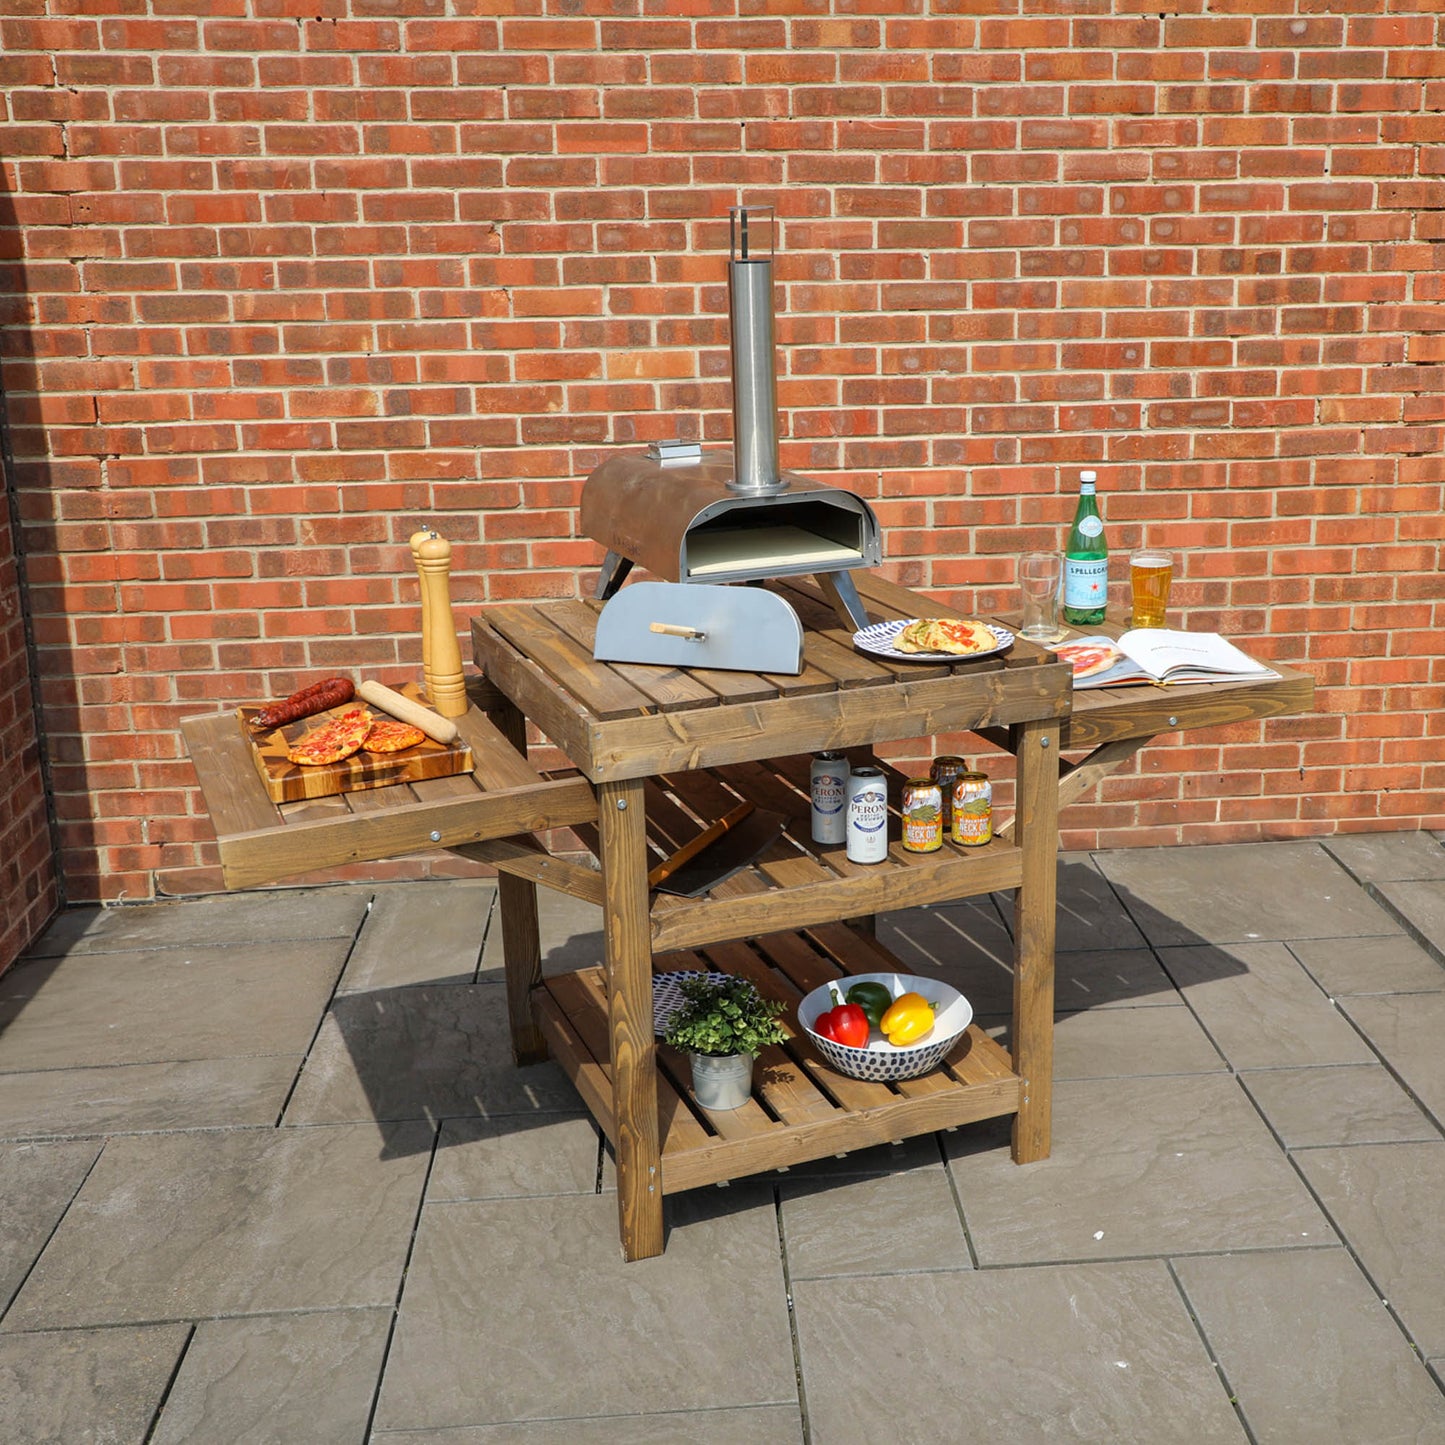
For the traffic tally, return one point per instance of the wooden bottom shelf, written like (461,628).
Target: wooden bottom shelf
(801,1109)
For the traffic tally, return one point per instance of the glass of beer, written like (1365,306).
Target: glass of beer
(1151,570)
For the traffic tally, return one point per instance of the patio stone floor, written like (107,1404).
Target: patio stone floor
(267,1173)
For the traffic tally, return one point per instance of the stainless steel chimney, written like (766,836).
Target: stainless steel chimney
(754,356)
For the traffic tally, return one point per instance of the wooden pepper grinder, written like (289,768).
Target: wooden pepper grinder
(441,657)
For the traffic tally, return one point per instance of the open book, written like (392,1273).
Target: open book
(1158,655)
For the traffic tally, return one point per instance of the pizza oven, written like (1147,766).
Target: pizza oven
(693,516)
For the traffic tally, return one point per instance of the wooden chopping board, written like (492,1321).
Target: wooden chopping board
(287,782)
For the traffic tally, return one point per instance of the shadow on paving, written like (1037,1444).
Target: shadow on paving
(439,1051)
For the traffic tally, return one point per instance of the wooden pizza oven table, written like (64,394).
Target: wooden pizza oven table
(657,755)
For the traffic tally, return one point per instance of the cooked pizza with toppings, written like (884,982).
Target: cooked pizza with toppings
(389,736)
(333,740)
(959,636)
(1088,658)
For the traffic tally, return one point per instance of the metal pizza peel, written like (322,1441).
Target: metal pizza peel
(676,624)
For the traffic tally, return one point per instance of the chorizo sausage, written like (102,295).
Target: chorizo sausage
(318,697)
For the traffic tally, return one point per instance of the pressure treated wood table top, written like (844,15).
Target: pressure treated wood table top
(618,720)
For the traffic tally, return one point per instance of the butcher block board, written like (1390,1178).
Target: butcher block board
(287,782)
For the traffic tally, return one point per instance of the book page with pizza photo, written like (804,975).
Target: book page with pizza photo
(1158,655)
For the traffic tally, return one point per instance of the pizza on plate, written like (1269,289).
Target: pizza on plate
(389,736)
(1088,658)
(959,636)
(336,738)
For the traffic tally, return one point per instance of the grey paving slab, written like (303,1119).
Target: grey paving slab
(99,1387)
(1370,965)
(278,1380)
(1353,1104)
(760,1425)
(1385,1200)
(1406,1030)
(1261,1007)
(1110,1042)
(264,916)
(164,1005)
(1422,907)
(1139,1167)
(1383,857)
(132,1098)
(1068,1353)
(578,1332)
(852,1226)
(429,1052)
(420,933)
(1241,893)
(511,1159)
(570,933)
(174,1226)
(1309,1351)
(1090,914)
(37,1184)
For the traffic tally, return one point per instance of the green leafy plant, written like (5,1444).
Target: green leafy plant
(727,1016)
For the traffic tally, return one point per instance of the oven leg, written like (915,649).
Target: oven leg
(1037,833)
(842,594)
(615,568)
(622,826)
(521,938)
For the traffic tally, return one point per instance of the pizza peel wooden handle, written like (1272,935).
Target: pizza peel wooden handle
(442,657)
(694,846)
(440,728)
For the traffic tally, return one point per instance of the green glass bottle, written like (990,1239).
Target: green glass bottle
(1086,560)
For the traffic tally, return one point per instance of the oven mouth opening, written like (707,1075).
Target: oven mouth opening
(781,540)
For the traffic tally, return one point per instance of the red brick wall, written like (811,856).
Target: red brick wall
(29,891)
(286,279)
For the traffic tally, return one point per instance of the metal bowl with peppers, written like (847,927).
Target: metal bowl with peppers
(908,1035)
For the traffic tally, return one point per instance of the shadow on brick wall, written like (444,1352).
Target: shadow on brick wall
(29,881)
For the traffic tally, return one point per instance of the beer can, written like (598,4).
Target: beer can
(922,815)
(829,775)
(867,815)
(972,810)
(946,771)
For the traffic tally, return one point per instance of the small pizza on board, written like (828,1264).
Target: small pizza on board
(1088,658)
(386,735)
(959,636)
(333,740)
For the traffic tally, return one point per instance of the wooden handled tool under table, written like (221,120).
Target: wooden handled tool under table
(661,754)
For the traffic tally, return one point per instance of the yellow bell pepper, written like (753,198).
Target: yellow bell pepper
(908,1019)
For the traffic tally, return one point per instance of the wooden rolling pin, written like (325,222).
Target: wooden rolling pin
(440,728)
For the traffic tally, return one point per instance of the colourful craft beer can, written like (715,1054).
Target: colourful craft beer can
(946,771)
(972,810)
(922,815)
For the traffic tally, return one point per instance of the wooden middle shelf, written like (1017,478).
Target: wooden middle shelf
(801,1108)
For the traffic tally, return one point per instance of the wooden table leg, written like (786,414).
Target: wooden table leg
(1037,836)
(622,827)
(521,938)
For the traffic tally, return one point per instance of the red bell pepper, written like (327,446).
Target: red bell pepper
(845,1024)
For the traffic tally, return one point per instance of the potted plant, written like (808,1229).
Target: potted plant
(724,1024)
